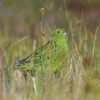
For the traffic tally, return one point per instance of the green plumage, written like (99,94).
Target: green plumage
(52,54)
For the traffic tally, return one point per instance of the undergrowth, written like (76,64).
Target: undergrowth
(79,76)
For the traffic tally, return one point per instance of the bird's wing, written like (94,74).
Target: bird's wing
(43,55)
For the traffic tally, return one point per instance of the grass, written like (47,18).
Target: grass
(79,78)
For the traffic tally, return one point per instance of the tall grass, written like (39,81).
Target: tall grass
(79,77)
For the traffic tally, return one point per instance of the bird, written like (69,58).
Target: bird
(53,54)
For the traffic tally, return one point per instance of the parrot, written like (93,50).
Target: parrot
(53,54)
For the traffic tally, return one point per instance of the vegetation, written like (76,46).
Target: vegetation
(28,25)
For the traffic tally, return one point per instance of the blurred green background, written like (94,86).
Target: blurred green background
(24,17)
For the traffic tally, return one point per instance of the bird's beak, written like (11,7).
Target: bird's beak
(65,33)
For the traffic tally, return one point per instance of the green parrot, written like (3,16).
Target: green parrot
(53,54)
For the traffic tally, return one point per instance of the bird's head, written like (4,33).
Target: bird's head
(59,36)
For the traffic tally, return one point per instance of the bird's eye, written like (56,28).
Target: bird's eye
(58,31)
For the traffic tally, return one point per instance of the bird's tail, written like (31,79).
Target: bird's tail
(23,61)
(24,64)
